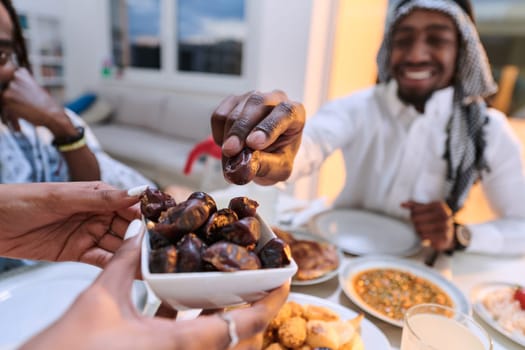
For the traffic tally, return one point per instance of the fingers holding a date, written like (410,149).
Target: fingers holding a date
(260,134)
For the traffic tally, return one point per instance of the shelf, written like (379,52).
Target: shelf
(43,34)
(47,59)
(52,81)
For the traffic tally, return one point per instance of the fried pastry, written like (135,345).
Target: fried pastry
(314,259)
(314,312)
(292,332)
(311,327)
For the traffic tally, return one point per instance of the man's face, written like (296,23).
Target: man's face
(424,53)
(6,47)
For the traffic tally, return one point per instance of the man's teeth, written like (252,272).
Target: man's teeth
(418,75)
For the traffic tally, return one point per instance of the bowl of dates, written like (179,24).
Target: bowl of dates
(198,256)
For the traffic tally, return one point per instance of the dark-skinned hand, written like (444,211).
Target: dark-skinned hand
(23,97)
(433,222)
(73,221)
(104,317)
(269,125)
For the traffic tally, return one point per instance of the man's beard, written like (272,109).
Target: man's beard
(415,98)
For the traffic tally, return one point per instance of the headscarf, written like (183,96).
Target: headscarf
(472,83)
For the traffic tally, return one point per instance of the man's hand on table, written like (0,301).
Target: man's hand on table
(433,222)
(260,134)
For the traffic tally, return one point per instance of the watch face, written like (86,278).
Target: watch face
(463,236)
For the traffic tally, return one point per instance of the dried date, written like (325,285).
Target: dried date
(157,241)
(275,253)
(225,256)
(245,232)
(211,231)
(163,260)
(154,202)
(190,250)
(186,216)
(242,168)
(243,206)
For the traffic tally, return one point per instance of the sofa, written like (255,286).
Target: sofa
(153,131)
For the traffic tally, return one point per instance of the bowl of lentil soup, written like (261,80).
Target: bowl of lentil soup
(386,287)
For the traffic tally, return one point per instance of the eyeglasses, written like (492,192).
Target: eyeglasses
(6,56)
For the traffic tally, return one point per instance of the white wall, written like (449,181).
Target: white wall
(46,7)
(87,43)
(293,48)
(280,55)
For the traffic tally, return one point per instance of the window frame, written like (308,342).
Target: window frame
(169,77)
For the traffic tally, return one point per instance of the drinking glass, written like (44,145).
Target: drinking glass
(437,327)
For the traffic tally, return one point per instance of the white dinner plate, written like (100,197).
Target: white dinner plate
(372,337)
(361,232)
(478,293)
(32,297)
(327,276)
(357,265)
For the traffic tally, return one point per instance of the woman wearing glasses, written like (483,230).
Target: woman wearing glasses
(40,141)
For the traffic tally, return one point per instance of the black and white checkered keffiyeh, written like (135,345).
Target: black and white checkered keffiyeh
(465,142)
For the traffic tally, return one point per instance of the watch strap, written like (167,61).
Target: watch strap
(460,239)
(63,141)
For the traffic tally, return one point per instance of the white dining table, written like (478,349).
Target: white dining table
(464,270)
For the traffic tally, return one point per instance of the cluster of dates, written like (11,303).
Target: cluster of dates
(193,236)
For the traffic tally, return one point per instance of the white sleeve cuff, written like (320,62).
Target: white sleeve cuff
(486,238)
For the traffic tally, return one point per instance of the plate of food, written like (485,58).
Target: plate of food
(360,232)
(317,259)
(386,287)
(315,323)
(502,306)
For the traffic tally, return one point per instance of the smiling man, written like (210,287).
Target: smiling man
(414,144)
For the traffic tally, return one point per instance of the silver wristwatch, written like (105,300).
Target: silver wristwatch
(462,237)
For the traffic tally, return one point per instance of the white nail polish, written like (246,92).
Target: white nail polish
(135,227)
(137,191)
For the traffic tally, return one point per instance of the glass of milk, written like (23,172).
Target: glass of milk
(437,327)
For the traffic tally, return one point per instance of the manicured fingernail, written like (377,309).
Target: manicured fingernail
(135,227)
(256,139)
(137,191)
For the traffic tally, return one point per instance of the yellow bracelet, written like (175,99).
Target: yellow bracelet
(72,146)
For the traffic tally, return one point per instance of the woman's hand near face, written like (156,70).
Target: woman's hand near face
(74,221)
(269,124)
(24,98)
(103,317)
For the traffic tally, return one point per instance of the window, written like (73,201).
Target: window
(197,36)
(136,39)
(502,32)
(210,36)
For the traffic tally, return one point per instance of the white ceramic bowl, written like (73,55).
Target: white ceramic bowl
(210,290)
